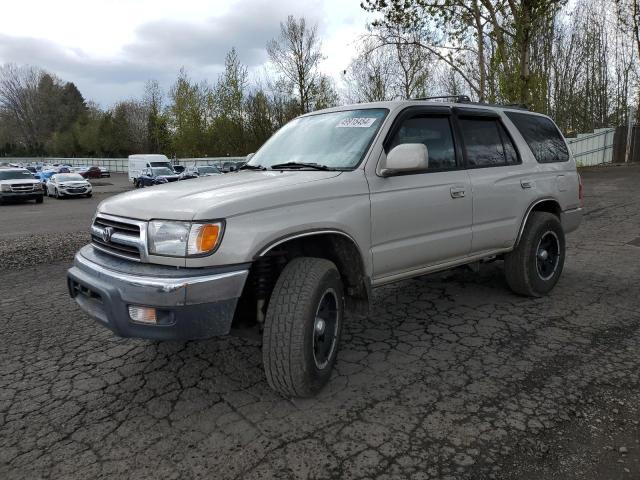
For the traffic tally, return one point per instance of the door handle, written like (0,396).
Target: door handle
(526,183)
(457,192)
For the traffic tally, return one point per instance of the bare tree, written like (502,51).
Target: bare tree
(296,55)
(19,99)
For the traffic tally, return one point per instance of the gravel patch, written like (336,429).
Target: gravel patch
(27,251)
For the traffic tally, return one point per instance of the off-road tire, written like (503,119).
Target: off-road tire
(288,337)
(520,265)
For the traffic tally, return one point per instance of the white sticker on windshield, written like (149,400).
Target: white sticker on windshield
(362,122)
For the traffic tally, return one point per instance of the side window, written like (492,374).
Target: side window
(434,133)
(511,155)
(483,142)
(542,136)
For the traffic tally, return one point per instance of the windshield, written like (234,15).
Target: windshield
(70,177)
(337,140)
(162,171)
(15,175)
(208,170)
(160,164)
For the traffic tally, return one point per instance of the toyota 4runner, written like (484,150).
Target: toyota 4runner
(336,203)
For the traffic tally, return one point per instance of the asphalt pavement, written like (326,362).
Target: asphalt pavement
(451,376)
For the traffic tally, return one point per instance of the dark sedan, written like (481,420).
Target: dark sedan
(91,172)
(155,176)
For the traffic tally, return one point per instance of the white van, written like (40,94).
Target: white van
(137,163)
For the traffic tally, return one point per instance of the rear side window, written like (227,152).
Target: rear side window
(542,136)
(487,143)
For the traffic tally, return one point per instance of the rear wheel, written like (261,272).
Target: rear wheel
(302,327)
(535,266)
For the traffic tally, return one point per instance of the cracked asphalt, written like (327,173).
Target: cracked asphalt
(451,376)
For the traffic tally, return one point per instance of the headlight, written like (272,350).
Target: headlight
(5,188)
(179,239)
(37,186)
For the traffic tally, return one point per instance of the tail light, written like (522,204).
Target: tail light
(580,191)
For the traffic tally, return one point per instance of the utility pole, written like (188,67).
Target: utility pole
(630,122)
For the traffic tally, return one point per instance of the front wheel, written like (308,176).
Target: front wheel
(40,199)
(302,327)
(57,194)
(88,195)
(533,268)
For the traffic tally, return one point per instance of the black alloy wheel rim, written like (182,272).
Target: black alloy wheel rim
(548,255)
(325,329)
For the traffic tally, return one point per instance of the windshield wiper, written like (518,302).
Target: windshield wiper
(246,166)
(315,166)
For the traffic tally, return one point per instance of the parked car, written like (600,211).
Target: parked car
(105,172)
(139,162)
(228,167)
(18,184)
(44,176)
(63,185)
(92,172)
(155,176)
(203,170)
(292,245)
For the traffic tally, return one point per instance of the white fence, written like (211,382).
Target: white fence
(116,164)
(593,148)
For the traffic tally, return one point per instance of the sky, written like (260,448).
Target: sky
(110,48)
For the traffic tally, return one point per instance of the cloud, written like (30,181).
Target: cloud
(159,48)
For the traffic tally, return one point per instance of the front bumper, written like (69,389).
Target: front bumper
(21,196)
(193,303)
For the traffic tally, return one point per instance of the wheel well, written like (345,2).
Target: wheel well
(549,206)
(266,269)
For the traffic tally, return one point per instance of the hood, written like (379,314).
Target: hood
(218,196)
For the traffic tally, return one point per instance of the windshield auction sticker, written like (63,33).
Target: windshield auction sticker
(361,122)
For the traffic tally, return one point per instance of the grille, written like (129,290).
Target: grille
(22,187)
(125,240)
(76,189)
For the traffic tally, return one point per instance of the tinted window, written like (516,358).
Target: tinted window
(483,142)
(542,136)
(435,133)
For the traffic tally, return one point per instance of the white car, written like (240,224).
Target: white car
(203,170)
(68,185)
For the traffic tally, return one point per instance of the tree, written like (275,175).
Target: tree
(296,55)
(158,138)
(186,114)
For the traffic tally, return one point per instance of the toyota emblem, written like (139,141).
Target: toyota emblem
(106,234)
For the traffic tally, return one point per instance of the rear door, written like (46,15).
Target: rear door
(424,218)
(503,187)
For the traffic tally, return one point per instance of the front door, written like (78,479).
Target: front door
(423,218)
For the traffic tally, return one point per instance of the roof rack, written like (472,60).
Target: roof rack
(458,98)
(466,99)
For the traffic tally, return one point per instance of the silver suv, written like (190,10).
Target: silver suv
(336,203)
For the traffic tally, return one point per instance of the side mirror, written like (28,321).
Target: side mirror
(406,157)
